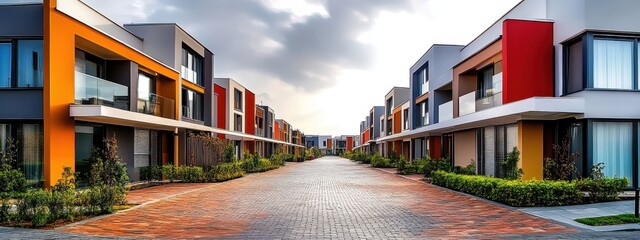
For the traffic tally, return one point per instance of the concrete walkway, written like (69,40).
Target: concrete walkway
(567,214)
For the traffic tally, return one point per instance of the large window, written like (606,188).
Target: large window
(29,142)
(601,62)
(29,61)
(5,64)
(421,80)
(613,63)
(191,66)
(613,146)
(485,83)
(192,105)
(405,114)
(237,122)
(237,99)
(389,105)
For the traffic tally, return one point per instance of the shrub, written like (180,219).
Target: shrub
(515,193)
(5,210)
(169,172)
(470,169)
(226,171)
(379,161)
(33,207)
(108,168)
(12,181)
(433,165)
(63,194)
(190,174)
(151,173)
(509,167)
(601,188)
(103,198)
(564,164)
(277,159)
(417,166)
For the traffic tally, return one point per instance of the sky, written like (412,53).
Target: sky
(320,64)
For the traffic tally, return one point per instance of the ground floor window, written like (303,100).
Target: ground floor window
(30,149)
(613,146)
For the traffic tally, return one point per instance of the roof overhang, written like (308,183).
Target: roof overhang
(114,116)
(536,108)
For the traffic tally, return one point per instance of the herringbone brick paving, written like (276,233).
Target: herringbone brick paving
(328,198)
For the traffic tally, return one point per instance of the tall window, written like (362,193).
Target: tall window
(613,63)
(613,146)
(424,113)
(324,143)
(485,83)
(574,77)
(30,149)
(237,122)
(192,105)
(5,65)
(30,63)
(389,105)
(237,99)
(381,126)
(191,66)
(405,114)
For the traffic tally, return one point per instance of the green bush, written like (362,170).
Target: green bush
(604,189)
(515,193)
(226,171)
(470,169)
(103,198)
(190,174)
(381,162)
(509,167)
(5,210)
(151,173)
(417,166)
(433,165)
(169,172)
(12,181)
(33,207)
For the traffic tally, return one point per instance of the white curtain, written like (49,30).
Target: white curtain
(5,64)
(613,64)
(612,145)
(32,151)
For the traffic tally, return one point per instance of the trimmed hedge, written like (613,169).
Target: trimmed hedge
(515,193)
(604,189)
(226,171)
(381,162)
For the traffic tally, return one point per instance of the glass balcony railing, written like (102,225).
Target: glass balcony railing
(186,112)
(467,103)
(445,111)
(425,119)
(189,75)
(489,102)
(260,132)
(90,90)
(156,105)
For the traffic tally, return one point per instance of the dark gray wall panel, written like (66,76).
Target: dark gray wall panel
(21,104)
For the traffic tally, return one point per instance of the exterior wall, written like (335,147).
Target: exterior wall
(464,147)
(250,112)
(221,108)
(349,143)
(397,120)
(276,128)
(531,146)
(377,112)
(527,49)
(435,147)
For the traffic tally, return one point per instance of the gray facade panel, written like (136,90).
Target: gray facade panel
(25,20)
(21,104)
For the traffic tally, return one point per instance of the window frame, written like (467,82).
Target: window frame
(14,68)
(198,64)
(237,100)
(588,60)
(481,90)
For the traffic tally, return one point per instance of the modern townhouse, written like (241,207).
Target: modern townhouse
(269,130)
(312,141)
(296,138)
(74,77)
(545,71)
(395,101)
(342,144)
(376,129)
(239,116)
(362,144)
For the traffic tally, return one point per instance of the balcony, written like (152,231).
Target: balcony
(467,103)
(157,105)
(189,75)
(489,102)
(445,111)
(90,90)
(260,132)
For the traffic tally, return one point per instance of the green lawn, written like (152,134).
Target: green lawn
(609,220)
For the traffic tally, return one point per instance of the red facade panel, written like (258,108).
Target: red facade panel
(435,147)
(276,131)
(349,143)
(249,112)
(221,107)
(527,57)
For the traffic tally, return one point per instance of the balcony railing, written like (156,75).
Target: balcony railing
(489,102)
(156,105)
(189,75)
(260,132)
(186,112)
(425,119)
(90,90)
(445,111)
(467,103)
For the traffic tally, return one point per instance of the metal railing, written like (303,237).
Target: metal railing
(156,105)
(90,90)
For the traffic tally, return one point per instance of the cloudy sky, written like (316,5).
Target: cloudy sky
(321,64)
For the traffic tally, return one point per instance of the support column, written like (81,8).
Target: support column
(530,144)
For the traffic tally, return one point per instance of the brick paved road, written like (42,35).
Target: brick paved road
(329,198)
